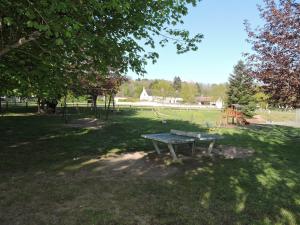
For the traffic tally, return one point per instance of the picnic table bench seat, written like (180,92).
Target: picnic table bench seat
(176,137)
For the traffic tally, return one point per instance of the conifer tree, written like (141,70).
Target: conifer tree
(241,89)
(177,83)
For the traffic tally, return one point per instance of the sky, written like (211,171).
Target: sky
(221,23)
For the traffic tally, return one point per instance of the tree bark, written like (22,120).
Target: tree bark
(65,110)
(39,105)
(94,98)
(108,105)
(113,102)
(35,35)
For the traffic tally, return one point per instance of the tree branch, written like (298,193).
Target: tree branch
(35,35)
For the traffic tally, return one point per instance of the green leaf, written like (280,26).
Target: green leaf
(59,41)
(68,34)
(8,21)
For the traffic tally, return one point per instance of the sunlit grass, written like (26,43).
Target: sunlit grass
(278,116)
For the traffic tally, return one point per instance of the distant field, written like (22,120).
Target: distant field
(278,116)
(196,116)
(200,116)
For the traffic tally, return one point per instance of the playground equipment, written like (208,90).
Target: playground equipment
(233,115)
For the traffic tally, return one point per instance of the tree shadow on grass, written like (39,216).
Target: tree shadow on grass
(259,190)
(263,189)
(44,142)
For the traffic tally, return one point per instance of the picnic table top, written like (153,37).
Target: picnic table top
(170,138)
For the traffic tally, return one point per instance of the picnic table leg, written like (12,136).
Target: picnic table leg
(211,146)
(156,147)
(172,151)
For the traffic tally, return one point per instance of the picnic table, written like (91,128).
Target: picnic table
(176,137)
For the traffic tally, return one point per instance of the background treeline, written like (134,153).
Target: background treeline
(176,88)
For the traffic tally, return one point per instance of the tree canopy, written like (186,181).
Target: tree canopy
(107,31)
(162,88)
(276,57)
(50,43)
(189,92)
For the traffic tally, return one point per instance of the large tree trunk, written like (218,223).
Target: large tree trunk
(105,100)
(65,110)
(39,105)
(113,102)
(108,106)
(94,99)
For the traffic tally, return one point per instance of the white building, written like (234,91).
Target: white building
(146,96)
(209,101)
(219,103)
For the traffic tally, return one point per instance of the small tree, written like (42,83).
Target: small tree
(90,84)
(262,99)
(111,87)
(189,92)
(241,89)
(95,84)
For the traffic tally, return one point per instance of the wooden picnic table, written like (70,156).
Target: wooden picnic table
(176,137)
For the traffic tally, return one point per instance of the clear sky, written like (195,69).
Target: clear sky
(221,23)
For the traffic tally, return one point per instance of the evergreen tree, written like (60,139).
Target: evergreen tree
(241,89)
(177,83)
(199,89)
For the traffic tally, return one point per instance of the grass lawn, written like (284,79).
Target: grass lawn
(278,116)
(53,174)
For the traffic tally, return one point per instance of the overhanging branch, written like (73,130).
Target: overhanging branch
(22,41)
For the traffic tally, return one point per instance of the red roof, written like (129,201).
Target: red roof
(204,99)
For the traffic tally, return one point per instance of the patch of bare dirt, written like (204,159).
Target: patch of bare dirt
(228,152)
(151,165)
(91,123)
(128,165)
(257,119)
(233,152)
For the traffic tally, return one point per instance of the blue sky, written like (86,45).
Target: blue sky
(221,22)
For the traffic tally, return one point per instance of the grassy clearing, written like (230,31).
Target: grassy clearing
(50,173)
(278,116)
